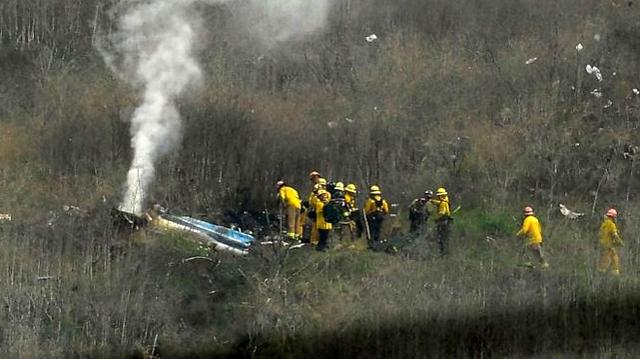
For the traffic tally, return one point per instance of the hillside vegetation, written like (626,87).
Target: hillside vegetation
(489,98)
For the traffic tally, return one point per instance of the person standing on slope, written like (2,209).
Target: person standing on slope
(609,241)
(323,227)
(532,231)
(290,200)
(308,212)
(355,216)
(442,217)
(376,209)
(313,199)
(419,212)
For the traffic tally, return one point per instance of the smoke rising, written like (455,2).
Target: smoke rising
(275,21)
(154,50)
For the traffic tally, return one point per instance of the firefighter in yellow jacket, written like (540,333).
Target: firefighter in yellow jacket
(323,227)
(609,241)
(355,215)
(290,200)
(531,230)
(442,217)
(376,209)
(313,201)
(307,223)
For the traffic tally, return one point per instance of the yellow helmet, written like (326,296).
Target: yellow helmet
(322,181)
(351,188)
(375,190)
(339,186)
(322,192)
(441,192)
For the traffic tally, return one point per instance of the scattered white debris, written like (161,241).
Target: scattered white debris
(350,120)
(573,88)
(636,92)
(594,70)
(614,74)
(332,124)
(597,93)
(5,217)
(597,37)
(569,213)
(371,38)
(579,47)
(608,104)
(297,246)
(531,60)
(577,144)
(71,208)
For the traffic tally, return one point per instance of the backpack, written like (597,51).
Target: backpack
(333,211)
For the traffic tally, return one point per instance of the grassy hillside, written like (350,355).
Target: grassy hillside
(77,289)
(489,98)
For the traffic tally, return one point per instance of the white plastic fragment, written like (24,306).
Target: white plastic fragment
(569,213)
(597,37)
(608,104)
(636,92)
(371,38)
(579,47)
(5,217)
(597,93)
(594,70)
(531,60)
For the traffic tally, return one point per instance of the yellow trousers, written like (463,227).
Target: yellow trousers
(302,222)
(609,258)
(293,221)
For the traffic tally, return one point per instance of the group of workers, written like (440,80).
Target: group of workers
(333,207)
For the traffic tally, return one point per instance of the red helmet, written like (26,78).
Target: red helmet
(528,211)
(612,213)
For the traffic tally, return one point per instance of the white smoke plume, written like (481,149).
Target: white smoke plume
(153,49)
(276,21)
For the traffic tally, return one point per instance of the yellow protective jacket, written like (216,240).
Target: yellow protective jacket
(371,206)
(289,197)
(350,200)
(531,229)
(609,237)
(442,210)
(313,199)
(320,222)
